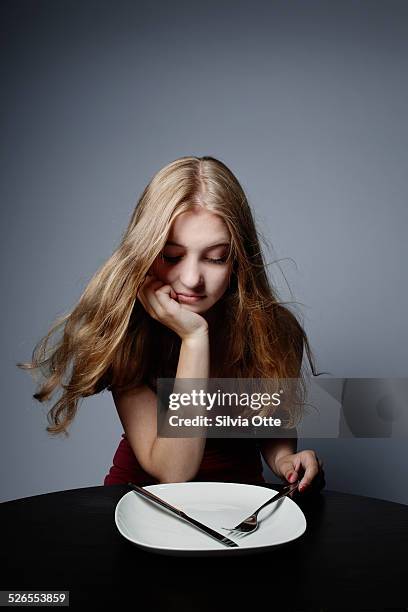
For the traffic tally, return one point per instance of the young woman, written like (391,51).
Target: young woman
(184,295)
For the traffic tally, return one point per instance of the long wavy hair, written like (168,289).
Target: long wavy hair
(108,341)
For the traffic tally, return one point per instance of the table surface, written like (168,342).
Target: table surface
(352,556)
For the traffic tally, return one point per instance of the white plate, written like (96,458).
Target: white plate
(217,504)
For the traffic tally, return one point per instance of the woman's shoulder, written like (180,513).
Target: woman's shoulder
(133,386)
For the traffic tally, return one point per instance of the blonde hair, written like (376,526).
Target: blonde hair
(109,341)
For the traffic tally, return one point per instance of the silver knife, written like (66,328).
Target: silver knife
(208,530)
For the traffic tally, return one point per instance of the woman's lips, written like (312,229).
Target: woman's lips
(189,299)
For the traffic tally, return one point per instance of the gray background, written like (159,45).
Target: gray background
(304,101)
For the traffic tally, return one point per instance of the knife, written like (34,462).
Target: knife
(208,530)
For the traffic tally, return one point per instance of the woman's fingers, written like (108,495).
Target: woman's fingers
(304,466)
(314,473)
(161,297)
(155,296)
(308,464)
(160,301)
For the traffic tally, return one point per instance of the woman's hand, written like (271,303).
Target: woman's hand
(305,466)
(159,301)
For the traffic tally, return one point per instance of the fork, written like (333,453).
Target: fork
(250,524)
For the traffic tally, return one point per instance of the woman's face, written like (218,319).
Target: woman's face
(193,260)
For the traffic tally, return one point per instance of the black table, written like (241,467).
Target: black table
(353,556)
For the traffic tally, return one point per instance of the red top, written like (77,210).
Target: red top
(224,460)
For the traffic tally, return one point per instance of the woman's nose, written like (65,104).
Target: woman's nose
(190,275)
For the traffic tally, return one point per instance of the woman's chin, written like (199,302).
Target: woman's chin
(198,308)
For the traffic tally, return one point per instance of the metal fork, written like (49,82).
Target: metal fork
(250,524)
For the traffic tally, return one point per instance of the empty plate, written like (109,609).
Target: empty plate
(216,504)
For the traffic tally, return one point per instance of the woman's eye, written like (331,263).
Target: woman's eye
(169,259)
(220,260)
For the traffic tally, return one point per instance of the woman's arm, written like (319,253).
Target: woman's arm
(179,459)
(166,459)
